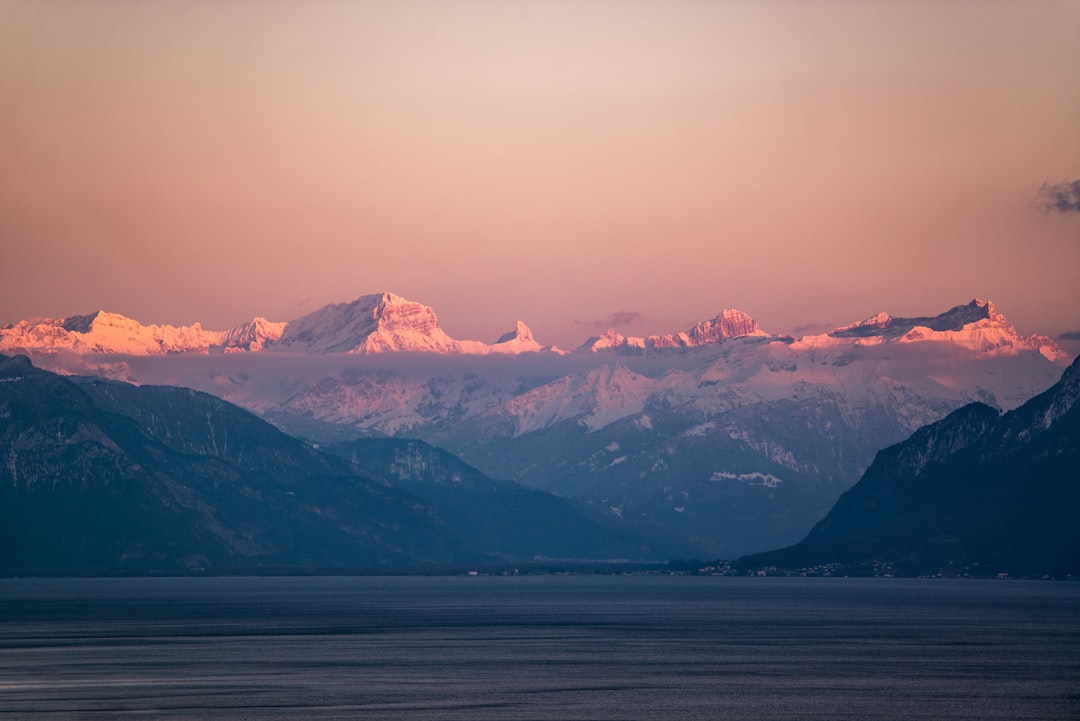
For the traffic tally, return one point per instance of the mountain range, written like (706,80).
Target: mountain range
(720,439)
(378,323)
(976,493)
(106,477)
(385,322)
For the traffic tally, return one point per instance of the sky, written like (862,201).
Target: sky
(575,165)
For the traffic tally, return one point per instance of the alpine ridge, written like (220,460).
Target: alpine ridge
(379,323)
(106,477)
(976,493)
(722,439)
(387,323)
(728,324)
(112,333)
(976,325)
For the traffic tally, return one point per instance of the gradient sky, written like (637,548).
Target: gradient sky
(568,164)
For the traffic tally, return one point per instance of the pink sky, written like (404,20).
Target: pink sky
(555,162)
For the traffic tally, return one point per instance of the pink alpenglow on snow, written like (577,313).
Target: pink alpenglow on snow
(728,324)
(387,323)
(379,323)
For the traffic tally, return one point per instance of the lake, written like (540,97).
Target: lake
(538,647)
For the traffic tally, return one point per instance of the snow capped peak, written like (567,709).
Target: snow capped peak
(881,320)
(991,311)
(521,332)
(953,319)
(389,298)
(253,335)
(976,325)
(81,323)
(103,332)
(612,340)
(370,324)
(729,323)
(385,322)
(519,340)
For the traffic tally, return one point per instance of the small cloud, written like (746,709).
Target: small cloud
(1069,335)
(624,317)
(618,319)
(812,328)
(1060,198)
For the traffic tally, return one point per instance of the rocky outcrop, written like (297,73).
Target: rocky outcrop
(729,323)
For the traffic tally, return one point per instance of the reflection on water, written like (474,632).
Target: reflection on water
(538,648)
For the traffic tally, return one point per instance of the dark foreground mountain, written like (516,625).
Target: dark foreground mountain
(104,477)
(976,493)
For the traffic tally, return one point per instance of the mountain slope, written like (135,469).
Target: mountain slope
(187,482)
(101,333)
(729,323)
(522,523)
(973,493)
(107,477)
(722,437)
(371,324)
(977,325)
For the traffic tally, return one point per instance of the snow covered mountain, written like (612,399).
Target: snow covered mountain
(728,324)
(378,323)
(101,332)
(976,493)
(723,438)
(977,326)
(106,477)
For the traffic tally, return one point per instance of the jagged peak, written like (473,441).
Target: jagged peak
(385,321)
(728,323)
(953,319)
(612,335)
(611,338)
(880,320)
(388,301)
(370,324)
(521,332)
(976,325)
(80,323)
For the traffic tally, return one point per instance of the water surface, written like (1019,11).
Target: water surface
(538,647)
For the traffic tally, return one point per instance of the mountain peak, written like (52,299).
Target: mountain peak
(521,332)
(369,324)
(386,322)
(954,319)
(729,323)
(977,325)
(80,323)
(975,492)
(104,332)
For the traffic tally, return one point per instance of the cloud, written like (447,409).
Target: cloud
(1060,197)
(1069,335)
(620,318)
(624,317)
(812,328)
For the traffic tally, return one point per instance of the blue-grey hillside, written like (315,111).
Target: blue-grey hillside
(105,477)
(976,493)
(510,520)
